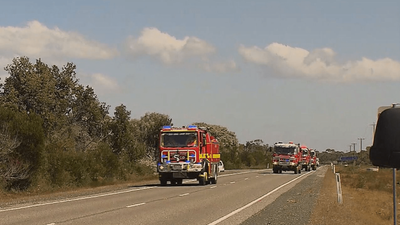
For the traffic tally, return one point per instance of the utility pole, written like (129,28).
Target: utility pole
(354,146)
(361,139)
(373,129)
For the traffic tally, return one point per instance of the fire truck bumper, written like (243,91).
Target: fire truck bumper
(286,166)
(179,167)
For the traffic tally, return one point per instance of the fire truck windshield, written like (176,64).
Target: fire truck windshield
(178,139)
(284,150)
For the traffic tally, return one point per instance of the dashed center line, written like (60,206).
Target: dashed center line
(232,182)
(139,204)
(183,194)
(246,178)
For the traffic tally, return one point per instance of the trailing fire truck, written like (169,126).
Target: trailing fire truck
(187,153)
(305,158)
(313,154)
(286,157)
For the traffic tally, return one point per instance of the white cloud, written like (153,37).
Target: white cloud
(189,51)
(37,40)
(101,83)
(104,82)
(319,64)
(4,61)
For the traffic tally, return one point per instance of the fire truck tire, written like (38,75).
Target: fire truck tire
(215,178)
(179,181)
(203,179)
(163,182)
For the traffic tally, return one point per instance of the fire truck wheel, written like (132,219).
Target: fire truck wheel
(163,182)
(202,180)
(215,178)
(179,181)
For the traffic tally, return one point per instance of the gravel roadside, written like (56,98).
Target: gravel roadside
(294,206)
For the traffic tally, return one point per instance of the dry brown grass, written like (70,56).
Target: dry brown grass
(367,198)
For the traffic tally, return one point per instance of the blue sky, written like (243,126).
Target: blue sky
(313,72)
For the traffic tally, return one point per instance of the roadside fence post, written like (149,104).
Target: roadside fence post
(339,189)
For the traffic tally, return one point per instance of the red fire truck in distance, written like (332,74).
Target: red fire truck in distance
(286,157)
(305,158)
(313,154)
(187,153)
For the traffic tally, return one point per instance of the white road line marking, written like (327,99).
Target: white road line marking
(232,182)
(183,194)
(75,199)
(251,171)
(246,178)
(51,224)
(139,204)
(258,199)
(216,186)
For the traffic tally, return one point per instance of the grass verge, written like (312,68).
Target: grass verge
(367,198)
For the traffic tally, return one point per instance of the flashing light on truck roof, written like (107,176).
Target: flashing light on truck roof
(192,127)
(166,127)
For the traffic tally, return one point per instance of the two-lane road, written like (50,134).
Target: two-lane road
(236,196)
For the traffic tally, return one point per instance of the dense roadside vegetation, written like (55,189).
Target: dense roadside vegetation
(55,134)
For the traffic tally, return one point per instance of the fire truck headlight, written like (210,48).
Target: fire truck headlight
(161,167)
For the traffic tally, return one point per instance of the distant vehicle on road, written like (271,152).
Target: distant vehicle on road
(221,166)
(286,157)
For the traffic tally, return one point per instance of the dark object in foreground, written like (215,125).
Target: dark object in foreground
(385,151)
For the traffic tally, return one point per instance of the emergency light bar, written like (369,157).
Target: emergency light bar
(166,127)
(192,127)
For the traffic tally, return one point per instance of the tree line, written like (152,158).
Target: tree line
(55,133)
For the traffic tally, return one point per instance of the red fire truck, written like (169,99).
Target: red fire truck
(313,154)
(286,157)
(305,158)
(187,153)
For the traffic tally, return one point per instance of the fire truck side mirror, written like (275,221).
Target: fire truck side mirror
(385,151)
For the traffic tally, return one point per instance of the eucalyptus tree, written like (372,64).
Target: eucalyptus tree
(147,129)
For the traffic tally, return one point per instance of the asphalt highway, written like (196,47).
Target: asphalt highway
(237,196)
